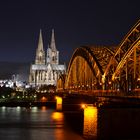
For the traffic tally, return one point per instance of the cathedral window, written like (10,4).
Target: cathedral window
(32,78)
(53,75)
(49,75)
(41,75)
(53,58)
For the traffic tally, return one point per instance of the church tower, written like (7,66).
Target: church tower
(46,70)
(52,53)
(40,53)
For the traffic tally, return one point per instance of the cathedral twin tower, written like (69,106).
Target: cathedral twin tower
(46,70)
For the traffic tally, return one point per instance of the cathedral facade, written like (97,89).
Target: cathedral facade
(46,69)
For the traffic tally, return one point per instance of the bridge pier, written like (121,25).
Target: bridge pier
(72,102)
(59,101)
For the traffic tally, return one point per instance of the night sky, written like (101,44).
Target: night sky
(76,22)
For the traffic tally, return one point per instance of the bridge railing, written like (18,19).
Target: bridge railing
(135,92)
(98,92)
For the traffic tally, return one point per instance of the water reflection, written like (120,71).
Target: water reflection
(34,109)
(90,122)
(119,123)
(111,123)
(43,108)
(57,116)
(18,108)
(20,123)
(33,124)
(3,108)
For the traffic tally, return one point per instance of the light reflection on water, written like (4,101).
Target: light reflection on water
(20,123)
(90,122)
(111,123)
(57,116)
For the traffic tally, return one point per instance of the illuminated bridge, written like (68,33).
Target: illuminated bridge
(100,69)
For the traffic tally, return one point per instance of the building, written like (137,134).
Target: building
(46,70)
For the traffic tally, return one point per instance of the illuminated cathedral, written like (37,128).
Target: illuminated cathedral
(46,69)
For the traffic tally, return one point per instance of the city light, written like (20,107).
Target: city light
(83,106)
(3,96)
(43,99)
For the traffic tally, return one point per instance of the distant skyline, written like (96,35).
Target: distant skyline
(76,22)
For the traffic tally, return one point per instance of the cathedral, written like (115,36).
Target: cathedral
(46,69)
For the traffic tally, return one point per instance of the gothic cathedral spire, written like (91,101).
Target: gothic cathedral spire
(52,53)
(46,69)
(52,44)
(40,53)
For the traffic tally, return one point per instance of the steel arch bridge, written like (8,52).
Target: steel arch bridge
(114,69)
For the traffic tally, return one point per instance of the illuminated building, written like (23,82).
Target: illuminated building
(46,70)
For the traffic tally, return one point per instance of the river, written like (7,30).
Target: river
(20,123)
(34,123)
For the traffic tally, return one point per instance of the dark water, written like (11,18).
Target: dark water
(119,123)
(20,123)
(112,123)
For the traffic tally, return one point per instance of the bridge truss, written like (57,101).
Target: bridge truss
(94,68)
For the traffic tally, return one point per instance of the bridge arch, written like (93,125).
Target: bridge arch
(123,67)
(86,68)
(102,68)
(61,83)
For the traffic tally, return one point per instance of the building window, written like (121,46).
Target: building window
(49,75)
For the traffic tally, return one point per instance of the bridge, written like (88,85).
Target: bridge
(105,70)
